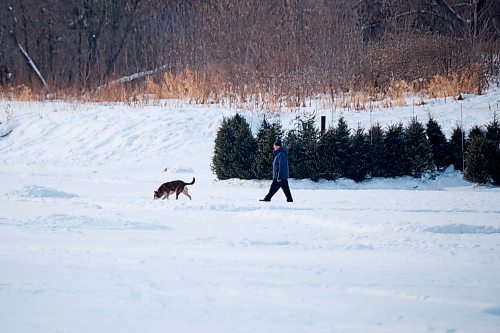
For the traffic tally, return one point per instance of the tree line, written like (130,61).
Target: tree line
(339,152)
(292,48)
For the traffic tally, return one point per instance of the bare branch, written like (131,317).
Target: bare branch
(32,64)
(452,11)
(135,76)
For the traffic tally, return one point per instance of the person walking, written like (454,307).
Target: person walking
(280,172)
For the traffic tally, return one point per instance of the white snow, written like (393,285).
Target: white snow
(35,191)
(463,229)
(84,248)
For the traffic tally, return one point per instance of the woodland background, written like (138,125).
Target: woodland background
(247,49)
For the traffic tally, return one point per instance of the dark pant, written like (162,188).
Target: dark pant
(275,186)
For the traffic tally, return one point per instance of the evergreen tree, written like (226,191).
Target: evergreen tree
(234,150)
(326,158)
(378,153)
(418,149)
(293,143)
(493,163)
(302,144)
(476,159)
(341,149)
(395,150)
(475,132)
(439,144)
(493,166)
(493,131)
(456,149)
(266,135)
(359,153)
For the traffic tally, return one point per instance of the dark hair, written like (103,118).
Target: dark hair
(278,142)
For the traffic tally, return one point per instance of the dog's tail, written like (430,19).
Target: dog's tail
(191,182)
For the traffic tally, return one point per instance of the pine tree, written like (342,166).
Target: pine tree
(493,165)
(302,144)
(266,136)
(378,153)
(439,144)
(294,152)
(326,159)
(234,150)
(493,159)
(341,149)
(310,136)
(456,149)
(475,132)
(395,149)
(359,153)
(493,130)
(476,159)
(418,149)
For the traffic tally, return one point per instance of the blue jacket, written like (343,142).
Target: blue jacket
(280,163)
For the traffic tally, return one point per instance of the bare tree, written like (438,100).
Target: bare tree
(292,48)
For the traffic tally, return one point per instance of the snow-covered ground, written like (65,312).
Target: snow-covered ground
(84,248)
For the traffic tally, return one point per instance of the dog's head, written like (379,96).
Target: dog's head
(156,195)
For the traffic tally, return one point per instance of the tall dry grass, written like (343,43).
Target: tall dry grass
(469,80)
(20,93)
(271,95)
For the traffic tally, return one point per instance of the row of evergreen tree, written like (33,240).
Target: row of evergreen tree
(339,152)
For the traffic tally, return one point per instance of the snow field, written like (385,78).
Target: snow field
(84,248)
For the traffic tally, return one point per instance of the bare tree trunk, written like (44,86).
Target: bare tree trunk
(33,66)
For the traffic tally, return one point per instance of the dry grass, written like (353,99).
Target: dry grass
(113,93)
(20,93)
(398,90)
(205,87)
(470,80)
(271,95)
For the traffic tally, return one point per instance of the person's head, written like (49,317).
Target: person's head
(277,144)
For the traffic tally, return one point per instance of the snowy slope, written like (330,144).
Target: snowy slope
(84,248)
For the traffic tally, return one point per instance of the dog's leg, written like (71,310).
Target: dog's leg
(177,192)
(185,192)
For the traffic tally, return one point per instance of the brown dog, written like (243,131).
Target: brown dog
(176,186)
